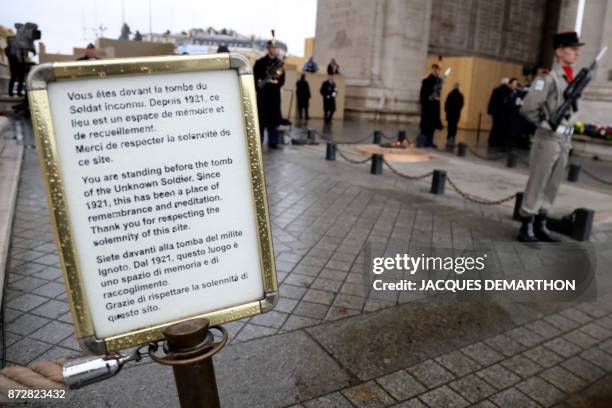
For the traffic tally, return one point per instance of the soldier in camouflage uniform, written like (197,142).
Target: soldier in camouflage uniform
(550,149)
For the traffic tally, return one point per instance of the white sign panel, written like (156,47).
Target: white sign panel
(159,195)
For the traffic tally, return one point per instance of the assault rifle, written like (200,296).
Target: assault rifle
(438,87)
(574,92)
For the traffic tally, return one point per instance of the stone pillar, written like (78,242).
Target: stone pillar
(567,15)
(604,74)
(596,103)
(381,47)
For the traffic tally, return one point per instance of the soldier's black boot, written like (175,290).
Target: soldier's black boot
(541,231)
(526,232)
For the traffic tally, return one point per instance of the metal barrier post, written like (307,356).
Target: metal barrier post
(377,164)
(377,137)
(310,136)
(573,173)
(461,149)
(512,158)
(377,161)
(478,128)
(583,224)
(438,182)
(330,152)
(518,202)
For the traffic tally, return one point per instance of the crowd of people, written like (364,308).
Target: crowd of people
(311,66)
(514,112)
(269,73)
(508,128)
(429,97)
(328,91)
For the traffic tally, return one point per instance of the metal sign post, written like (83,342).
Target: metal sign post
(189,348)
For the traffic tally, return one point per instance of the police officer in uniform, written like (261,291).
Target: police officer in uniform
(550,149)
(269,74)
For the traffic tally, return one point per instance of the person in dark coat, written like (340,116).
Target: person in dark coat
(452,107)
(328,91)
(91,53)
(302,91)
(512,107)
(269,74)
(430,106)
(497,109)
(16,58)
(222,48)
(333,68)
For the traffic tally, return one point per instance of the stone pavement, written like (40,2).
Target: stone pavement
(329,342)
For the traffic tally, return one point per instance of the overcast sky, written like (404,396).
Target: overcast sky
(68,23)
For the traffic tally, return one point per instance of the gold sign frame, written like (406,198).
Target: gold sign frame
(38,81)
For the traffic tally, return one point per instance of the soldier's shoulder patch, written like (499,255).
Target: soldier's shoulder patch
(538,85)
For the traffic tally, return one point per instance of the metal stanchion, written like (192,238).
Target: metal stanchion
(310,136)
(573,173)
(450,145)
(512,158)
(189,348)
(516,215)
(583,224)
(461,149)
(377,164)
(330,152)
(478,128)
(377,137)
(438,182)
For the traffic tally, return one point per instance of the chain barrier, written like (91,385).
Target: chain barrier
(329,139)
(298,132)
(406,176)
(388,137)
(452,184)
(369,137)
(471,198)
(596,178)
(351,160)
(582,170)
(462,193)
(493,158)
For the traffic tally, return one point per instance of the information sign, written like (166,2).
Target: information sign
(155,181)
